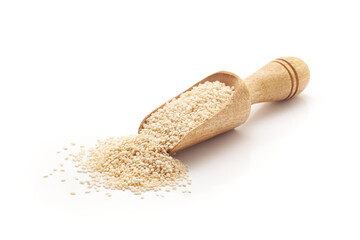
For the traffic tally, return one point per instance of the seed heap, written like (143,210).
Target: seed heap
(178,116)
(137,162)
(140,162)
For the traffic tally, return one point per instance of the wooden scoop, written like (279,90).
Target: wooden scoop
(281,79)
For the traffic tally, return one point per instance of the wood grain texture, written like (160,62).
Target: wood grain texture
(279,80)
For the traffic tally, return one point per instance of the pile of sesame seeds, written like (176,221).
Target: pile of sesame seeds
(141,163)
(136,162)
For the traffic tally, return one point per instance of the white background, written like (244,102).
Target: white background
(86,70)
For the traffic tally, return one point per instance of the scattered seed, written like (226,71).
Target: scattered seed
(140,162)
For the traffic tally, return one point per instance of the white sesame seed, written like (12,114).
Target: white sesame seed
(141,163)
(72,193)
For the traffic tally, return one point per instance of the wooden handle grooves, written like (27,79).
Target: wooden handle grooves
(281,79)
(293,76)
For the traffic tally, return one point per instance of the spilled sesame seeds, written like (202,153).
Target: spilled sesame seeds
(141,163)
(136,163)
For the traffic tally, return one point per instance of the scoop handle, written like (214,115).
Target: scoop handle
(281,79)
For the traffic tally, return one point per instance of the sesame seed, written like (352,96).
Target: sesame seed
(63,180)
(45,176)
(172,121)
(141,163)
(72,193)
